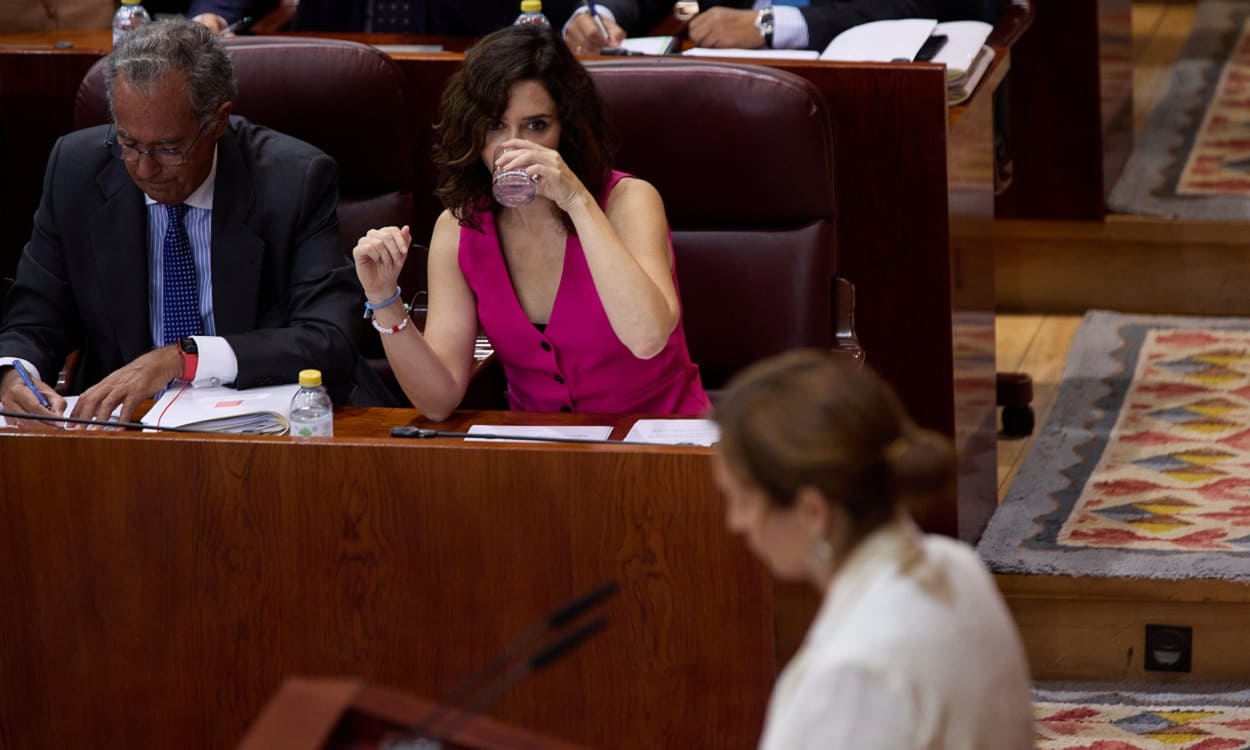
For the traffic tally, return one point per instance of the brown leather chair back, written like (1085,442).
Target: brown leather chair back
(743,157)
(344,97)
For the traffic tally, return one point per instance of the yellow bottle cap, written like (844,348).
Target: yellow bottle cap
(309,378)
(531,6)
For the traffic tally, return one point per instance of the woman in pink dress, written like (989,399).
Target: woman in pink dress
(576,290)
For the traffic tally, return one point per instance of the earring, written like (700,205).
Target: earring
(820,554)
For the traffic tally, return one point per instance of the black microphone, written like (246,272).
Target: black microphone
(92,422)
(421,432)
(487,684)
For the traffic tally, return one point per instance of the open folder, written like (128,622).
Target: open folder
(963,50)
(254,411)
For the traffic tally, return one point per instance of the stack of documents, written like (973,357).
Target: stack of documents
(255,411)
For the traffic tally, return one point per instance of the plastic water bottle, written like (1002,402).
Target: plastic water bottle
(312,414)
(127,17)
(532,13)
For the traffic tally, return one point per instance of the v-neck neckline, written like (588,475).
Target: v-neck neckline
(497,239)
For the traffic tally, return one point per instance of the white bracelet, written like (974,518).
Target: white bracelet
(401,325)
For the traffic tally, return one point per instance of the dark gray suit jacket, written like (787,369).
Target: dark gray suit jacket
(283,292)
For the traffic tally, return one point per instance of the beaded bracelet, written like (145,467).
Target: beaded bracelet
(401,325)
(370,307)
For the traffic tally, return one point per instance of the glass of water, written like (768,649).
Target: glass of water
(512,187)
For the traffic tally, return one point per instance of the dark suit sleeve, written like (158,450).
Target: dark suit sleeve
(39,322)
(828,18)
(318,301)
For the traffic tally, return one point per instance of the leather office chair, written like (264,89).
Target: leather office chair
(343,97)
(743,157)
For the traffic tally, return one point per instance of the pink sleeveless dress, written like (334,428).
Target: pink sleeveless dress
(577,363)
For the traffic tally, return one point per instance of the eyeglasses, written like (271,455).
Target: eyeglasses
(167,157)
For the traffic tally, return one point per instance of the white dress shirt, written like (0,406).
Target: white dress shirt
(217,363)
(913,647)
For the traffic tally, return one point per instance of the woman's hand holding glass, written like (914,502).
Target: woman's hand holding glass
(379,257)
(546,169)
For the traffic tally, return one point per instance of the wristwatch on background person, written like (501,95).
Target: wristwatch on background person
(764,25)
(190,358)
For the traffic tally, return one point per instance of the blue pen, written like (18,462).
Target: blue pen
(594,13)
(30,383)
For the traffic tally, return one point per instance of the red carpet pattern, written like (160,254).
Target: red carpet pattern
(1064,726)
(1175,475)
(1219,162)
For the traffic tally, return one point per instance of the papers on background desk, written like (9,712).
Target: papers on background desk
(674,432)
(576,432)
(765,54)
(399,49)
(255,411)
(650,45)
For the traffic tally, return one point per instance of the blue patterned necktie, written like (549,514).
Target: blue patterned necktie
(182,291)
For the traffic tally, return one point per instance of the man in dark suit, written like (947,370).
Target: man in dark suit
(178,243)
(746,24)
(468,18)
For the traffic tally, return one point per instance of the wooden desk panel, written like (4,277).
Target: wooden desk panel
(159,588)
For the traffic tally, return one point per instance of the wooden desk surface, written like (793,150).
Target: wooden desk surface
(159,588)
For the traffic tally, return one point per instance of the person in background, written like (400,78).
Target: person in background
(468,18)
(755,24)
(913,647)
(576,290)
(179,242)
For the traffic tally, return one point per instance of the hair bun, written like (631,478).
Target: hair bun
(920,461)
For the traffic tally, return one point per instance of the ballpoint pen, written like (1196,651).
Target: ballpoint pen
(238,25)
(30,383)
(594,13)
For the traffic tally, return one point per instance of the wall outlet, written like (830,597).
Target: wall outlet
(1169,648)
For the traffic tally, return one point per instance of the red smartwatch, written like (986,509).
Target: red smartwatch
(190,358)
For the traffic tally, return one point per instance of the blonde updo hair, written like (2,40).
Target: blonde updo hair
(810,419)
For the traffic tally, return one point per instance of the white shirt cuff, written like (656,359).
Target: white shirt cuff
(789,28)
(217,364)
(603,13)
(34,371)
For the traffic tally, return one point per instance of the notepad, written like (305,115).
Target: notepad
(674,432)
(755,54)
(650,45)
(577,432)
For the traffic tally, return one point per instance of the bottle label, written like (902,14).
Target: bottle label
(310,428)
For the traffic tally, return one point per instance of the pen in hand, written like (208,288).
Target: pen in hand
(30,383)
(238,25)
(594,14)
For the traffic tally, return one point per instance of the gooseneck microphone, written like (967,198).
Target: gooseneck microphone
(491,682)
(92,422)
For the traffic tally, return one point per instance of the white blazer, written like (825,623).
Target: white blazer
(913,647)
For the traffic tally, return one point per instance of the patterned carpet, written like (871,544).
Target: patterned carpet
(1079,718)
(1192,159)
(1145,457)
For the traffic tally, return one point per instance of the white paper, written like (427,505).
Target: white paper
(70,401)
(580,432)
(674,432)
(880,41)
(964,40)
(649,45)
(397,49)
(765,54)
(183,404)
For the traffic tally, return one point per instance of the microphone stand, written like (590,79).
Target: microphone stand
(93,422)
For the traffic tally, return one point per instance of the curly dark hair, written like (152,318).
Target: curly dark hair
(477,95)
